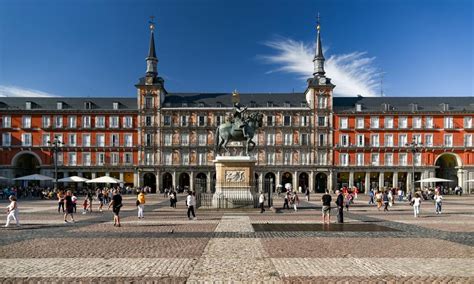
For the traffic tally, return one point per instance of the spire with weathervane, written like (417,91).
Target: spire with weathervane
(151,60)
(319,57)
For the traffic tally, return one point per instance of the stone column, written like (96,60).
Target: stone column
(331,181)
(278,179)
(367,182)
(158,181)
(208,182)
(381,181)
(135,180)
(461,178)
(260,183)
(351,179)
(93,175)
(395,180)
(409,181)
(191,181)
(311,182)
(107,174)
(295,182)
(121,175)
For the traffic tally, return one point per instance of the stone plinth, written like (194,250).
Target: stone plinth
(234,182)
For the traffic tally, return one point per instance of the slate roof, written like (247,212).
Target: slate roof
(49,103)
(225,99)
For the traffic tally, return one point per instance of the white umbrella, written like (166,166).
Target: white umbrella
(104,179)
(434,180)
(3,177)
(73,179)
(34,177)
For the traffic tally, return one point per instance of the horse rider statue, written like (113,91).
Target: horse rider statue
(239,118)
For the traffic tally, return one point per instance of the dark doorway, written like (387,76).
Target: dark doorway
(321,182)
(26,164)
(167,181)
(303,182)
(183,182)
(149,179)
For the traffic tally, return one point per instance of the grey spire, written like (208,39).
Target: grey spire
(319,57)
(151,60)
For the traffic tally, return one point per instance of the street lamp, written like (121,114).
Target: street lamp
(414,147)
(56,147)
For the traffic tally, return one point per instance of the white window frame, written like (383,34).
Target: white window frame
(360,140)
(344,159)
(114,136)
(86,161)
(45,139)
(388,140)
(402,141)
(429,141)
(26,121)
(100,159)
(168,139)
(46,121)
(448,122)
(114,121)
(58,121)
(184,158)
(375,159)
(284,120)
(71,121)
(360,159)
(202,139)
(467,140)
(128,158)
(374,122)
(468,122)
(72,137)
(388,122)
(288,158)
(127,121)
(344,140)
(288,139)
(128,139)
(429,122)
(360,123)
(6,142)
(86,121)
(6,121)
(344,123)
(448,140)
(86,140)
(100,121)
(72,158)
(270,139)
(184,139)
(114,158)
(374,140)
(388,159)
(417,122)
(402,159)
(403,122)
(26,141)
(322,158)
(98,141)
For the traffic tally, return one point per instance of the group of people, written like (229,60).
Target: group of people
(291,199)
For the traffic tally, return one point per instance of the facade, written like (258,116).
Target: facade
(309,139)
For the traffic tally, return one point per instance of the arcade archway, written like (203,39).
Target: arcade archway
(303,181)
(149,179)
(446,165)
(167,181)
(26,164)
(287,178)
(183,182)
(269,181)
(200,183)
(321,182)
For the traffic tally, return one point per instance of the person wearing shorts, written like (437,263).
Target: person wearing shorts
(326,200)
(116,204)
(69,206)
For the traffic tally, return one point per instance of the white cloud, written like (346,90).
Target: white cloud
(353,73)
(15,91)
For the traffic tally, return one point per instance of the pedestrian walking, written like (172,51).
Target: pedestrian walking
(100,197)
(173,199)
(386,201)
(307,194)
(89,200)
(438,202)
(141,204)
(12,211)
(416,202)
(116,204)
(400,194)
(340,206)
(69,206)
(378,198)
(295,201)
(326,210)
(74,202)
(84,206)
(286,199)
(190,204)
(60,196)
(261,201)
(348,200)
(371,197)
(390,198)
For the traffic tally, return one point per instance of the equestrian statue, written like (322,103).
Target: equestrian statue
(238,127)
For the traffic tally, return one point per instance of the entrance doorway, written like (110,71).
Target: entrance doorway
(446,165)
(149,179)
(167,181)
(321,182)
(183,182)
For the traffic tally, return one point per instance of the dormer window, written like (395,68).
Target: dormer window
(87,105)
(445,106)
(59,105)
(414,107)
(358,107)
(201,104)
(219,104)
(269,104)
(253,104)
(115,105)
(184,104)
(386,107)
(286,104)
(28,105)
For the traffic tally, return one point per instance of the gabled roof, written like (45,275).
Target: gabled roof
(50,103)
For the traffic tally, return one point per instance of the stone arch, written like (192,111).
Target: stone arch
(184,181)
(19,154)
(269,181)
(26,163)
(167,181)
(456,156)
(320,182)
(200,182)
(447,165)
(149,179)
(303,181)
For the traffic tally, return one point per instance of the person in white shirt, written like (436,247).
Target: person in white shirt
(416,201)
(191,202)
(438,201)
(400,195)
(12,210)
(261,201)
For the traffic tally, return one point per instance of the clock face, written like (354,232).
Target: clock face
(322,81)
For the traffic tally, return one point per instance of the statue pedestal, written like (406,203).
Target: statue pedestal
(235,185)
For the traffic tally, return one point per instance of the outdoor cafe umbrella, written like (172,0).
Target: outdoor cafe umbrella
(434,180)
(73,179)
(104,179)
(34,177)
(1,178)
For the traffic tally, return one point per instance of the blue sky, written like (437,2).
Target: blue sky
(98,47)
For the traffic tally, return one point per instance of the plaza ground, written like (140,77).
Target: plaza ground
(241,245)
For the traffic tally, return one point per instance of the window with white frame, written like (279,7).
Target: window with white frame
(114,158)
(72,140)
(26,121)
(429,122)
(148,139)
(184,120)
(374,140)
(202,120)
(402,159)
(114,122)
(360,159)
(58,121)
(148,120)
(270,120)
(448,122)
(388,140)
(322,140)
(46,121)
(344,140)
(286,120)
(429,140)
(468,122)
(6,139)
(59,105)
(322,158)
(287,159)
(389,159)
(100,121)
(360,123)
(60,158)
(321,121)
(128,158)
(202,139)
(304,141)
(114,140)
(100,159)
(270,158)
(417,158)
(202,159)
(417,122)
(128,139)
(270,139)
(322,102)
(71,121)
(26,139)
(168,139)
(402,122)
(100,140)
(375,159)
(344,159)
(185,158)
(168,158)
(388,121)
(115,105)
(28,105)
(344,123)
(374,122)
(72,159)
(402,140)
(184,139)
(86,159)
(304,158)
(148,102)
(360,140)
(59,138)
(86,121)
(86,140)
(288,139)
(46,138)
(167,120)
(448,140)
(127,121)
(6,121)
(468,140)
(219,119)
(304,120)
(149,159)
(417,138)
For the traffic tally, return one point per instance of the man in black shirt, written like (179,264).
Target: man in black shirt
(340,206)
(326,199)
(116,205)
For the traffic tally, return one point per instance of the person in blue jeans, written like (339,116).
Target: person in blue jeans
(371,195)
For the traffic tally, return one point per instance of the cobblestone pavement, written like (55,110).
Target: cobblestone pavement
(222,246)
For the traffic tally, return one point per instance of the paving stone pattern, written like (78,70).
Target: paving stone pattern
(221,246)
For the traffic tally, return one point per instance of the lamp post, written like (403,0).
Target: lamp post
(414,147)
(56,147)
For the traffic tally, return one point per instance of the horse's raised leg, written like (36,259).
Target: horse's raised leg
(225,146)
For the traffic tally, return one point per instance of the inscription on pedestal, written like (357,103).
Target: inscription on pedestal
(234,176)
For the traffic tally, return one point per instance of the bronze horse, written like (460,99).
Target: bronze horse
(231,132)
